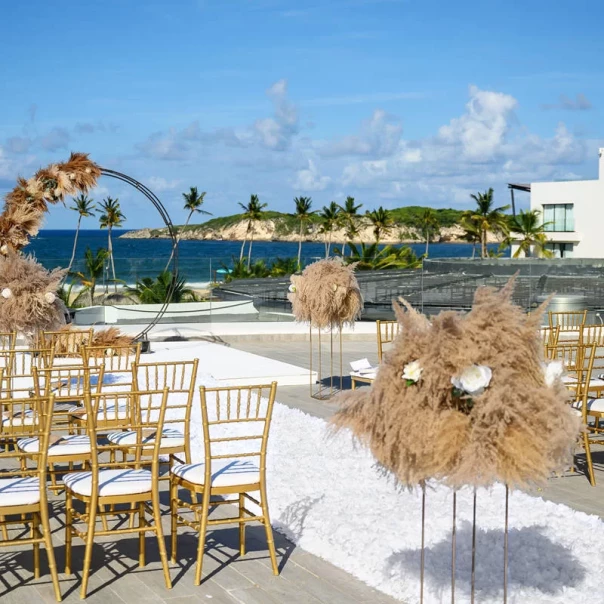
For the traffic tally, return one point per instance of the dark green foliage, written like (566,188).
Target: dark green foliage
(165,287)
(373,257)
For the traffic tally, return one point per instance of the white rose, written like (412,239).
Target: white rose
(50,297)
(412,371)
(6,293)
(4,248)
(292,289)
(552,371)
(473,379)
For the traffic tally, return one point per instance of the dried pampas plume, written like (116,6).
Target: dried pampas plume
(326,294)
(27,203)
(27,307)
(111,337)
(517,431)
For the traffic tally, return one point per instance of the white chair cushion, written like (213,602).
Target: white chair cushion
(225,472)
(27,418)
(19,491)
(73,444)
(170,438)
(593,404)
(109,413)
(111,482)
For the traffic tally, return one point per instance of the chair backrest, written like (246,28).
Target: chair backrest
(19,366)
(550,337)
(180,378)
(114,410)
(26,418)
(67,343)
(67,382)
(93,404)
(568,320)
(386,332)
(8,340)
(115,360)
(583,356)
(250,406)
(592,334)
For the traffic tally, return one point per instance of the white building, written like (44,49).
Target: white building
(575,212)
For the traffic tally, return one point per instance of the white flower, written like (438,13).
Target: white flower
(412,371)
(6,293)
(4,249)
(552,371)
(473,379)
(292,289)
(50,297)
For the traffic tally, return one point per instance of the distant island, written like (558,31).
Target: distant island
(279,226)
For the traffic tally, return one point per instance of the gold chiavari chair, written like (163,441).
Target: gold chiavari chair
(594,334)
(568,320)
(386,332)
(578,361)
(67,343)
(19,365)
(23,496)
(550,337)
(233,465)
(109,484)
(117,361)
(113,410)
(180,378)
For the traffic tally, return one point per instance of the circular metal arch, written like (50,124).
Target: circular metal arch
(152,197)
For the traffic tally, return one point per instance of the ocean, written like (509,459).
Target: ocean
(198,261)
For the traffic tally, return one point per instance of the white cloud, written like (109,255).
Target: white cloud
(310,179)
(160,184)
(378,136)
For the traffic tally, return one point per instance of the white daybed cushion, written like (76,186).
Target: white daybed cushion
(19,491)
(111,482)
(74,444)
(170,438)
(26,418)
(593,404)
(225,472)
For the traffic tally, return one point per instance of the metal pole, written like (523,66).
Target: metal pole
(473,584)
(453,547)
(423,552)
(505,545)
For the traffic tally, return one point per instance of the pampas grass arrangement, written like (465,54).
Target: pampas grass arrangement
(28,296)
(326,294)
(421,424)
(111,337)
(27,203)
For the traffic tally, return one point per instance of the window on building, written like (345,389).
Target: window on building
(558,217)
(560,250)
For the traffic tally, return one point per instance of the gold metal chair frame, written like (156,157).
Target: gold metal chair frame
(386,333)
(97,506)
(67,343)
(237,404)
(34,514)
(19,365)
(114,359)
(568,320)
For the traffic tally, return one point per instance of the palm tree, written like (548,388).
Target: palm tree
(489,219)
(329,220)
(303,214)
(472,233)
(193,203)
(371,257)
(532,234)
(350,215)
(166,287)
(85,208)
(94,265)
(252,212)
(428,225)
(381,222)
(111,217)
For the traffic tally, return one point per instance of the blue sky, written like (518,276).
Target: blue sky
(394,102)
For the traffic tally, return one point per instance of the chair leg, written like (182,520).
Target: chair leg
(4,529)
(160,539)
(35,534)
(590,467)
(173,521)
(269,531)
(50,552)
(203,525)
(103,508)
(68,535)
(241,525)
(92,512)
(141,534)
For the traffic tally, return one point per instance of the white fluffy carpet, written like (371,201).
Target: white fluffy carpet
(326,495)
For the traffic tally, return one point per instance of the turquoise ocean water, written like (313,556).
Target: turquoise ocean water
(197,260)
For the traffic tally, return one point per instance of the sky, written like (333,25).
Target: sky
(395,102)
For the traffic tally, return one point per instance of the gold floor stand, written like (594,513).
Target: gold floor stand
(324,386)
